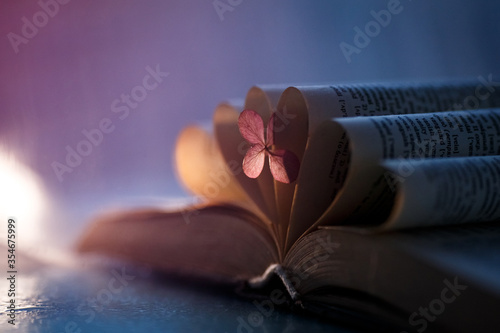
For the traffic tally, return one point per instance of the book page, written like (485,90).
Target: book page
(328,264)
(445,191)
(202,170)
(290,133)
(220,242)
(419,136)
(353,100)
(353,180)
(233,148)
(264,103)
(344,101)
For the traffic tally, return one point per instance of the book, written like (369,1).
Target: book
(350,199)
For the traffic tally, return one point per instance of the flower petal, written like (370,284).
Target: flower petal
(284,166)
(251,127)
(253,163)
(270,131)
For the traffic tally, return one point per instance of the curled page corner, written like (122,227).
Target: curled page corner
(275,269)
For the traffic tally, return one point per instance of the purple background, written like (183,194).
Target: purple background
(64,79)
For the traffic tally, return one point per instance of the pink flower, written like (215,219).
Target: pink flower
(283,163)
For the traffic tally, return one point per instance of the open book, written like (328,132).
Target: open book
(375,161)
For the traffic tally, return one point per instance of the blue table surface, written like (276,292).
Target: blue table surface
(122,298)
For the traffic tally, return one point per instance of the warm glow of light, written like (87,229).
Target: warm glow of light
(21,197)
